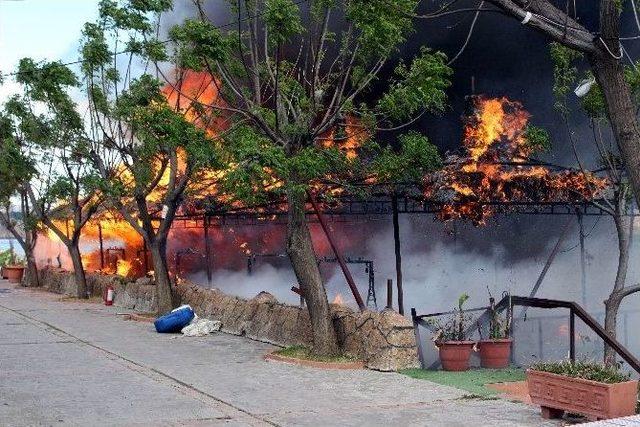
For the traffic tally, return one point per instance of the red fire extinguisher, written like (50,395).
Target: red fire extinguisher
(108,295)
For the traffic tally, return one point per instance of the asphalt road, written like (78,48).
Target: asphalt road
(79,363)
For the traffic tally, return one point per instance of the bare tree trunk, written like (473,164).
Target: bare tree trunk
(78,270)
(622,115)
(31,277)
(303,259)
(612,304)
(158,250)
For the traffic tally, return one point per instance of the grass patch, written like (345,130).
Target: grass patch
(473,381)
(301,352)
(476,397)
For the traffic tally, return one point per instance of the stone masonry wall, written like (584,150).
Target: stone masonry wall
(139,295)
(385,340)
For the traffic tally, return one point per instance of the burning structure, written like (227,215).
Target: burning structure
(496,167)
(494,173)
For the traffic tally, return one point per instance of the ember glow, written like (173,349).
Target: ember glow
(338,299)
(348,138)
(495,167)
(195,94)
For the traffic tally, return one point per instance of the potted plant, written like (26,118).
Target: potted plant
(590,389)
(454,347)
(12,266)
(5,259)
(495,352)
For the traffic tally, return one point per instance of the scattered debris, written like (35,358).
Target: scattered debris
(201,327)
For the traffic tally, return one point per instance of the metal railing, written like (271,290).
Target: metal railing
(508,302)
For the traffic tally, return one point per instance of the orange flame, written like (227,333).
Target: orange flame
(123,268)
(494,168)
(353,136)
(338,300)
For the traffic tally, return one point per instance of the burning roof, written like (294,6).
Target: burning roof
(495,166)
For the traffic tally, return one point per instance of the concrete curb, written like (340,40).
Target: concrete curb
(314,363)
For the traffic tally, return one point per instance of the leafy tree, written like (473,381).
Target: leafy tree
(16,172)
(615,202)
(147,153)
(51,134)
(297,87)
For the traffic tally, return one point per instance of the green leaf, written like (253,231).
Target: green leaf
(418,87)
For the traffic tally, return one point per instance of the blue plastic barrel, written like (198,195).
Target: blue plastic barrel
(174,321)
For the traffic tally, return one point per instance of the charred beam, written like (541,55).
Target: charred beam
(337,253)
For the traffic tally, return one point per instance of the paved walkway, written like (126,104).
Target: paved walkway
(633,421)
(78,363)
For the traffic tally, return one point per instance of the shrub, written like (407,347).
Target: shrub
(454,327)
(6,257)
(584,370)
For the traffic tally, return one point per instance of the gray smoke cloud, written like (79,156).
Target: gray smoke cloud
(509,253)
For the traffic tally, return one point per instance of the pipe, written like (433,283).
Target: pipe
(101,246)
(583,260)
(207,249)
(390,294)
(552,256)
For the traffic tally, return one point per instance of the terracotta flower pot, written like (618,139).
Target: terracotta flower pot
(558,393)
(495,354)
(13,273)
(455,355)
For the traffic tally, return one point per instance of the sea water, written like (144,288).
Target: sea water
(6,244)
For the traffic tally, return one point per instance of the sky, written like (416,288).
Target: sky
(40,29)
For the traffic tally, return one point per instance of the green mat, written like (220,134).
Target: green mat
(473,381)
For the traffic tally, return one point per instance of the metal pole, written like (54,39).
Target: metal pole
(583,261)
(396,243)
(416,330)
(390,294)
(343,265)
(572,336)
(540,340)
(400,299)
(101,246)
(207,249)
(552,256)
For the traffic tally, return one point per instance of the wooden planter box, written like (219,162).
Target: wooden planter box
(557,393)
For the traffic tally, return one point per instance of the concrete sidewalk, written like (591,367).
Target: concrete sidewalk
(78,363)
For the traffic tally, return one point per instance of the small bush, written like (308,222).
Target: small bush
(7,257)
(584,370)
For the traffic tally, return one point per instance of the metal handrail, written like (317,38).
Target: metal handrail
(510,301)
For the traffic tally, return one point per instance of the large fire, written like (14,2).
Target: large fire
(493,169)
(196,96)
(496,167)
